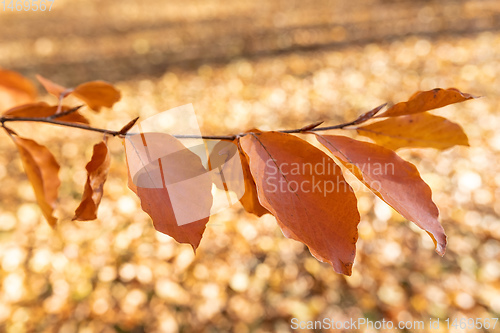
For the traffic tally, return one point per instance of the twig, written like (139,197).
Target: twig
(65,113)
(122,133)
(56,122)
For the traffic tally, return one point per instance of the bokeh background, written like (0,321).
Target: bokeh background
(244,64)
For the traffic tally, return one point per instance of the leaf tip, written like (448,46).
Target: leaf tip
(195,245)
(52,221)
(344,268)
(440,242)
(441,249)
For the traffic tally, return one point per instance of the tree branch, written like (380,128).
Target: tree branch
(62,114)
(48,120)
(52,120)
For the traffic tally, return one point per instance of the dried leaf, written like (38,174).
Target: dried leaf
(427,100)
(53,88)
(391,178)
(42,109)
(173,185)
(416,130)
(229,169)
(15,89)
(250,200)
(42,171)
(97,94)
(307,193)
(219,163)
(97,172)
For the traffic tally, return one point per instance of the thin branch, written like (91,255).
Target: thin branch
(65,113)
(208,137)
(309,128)
(61,123)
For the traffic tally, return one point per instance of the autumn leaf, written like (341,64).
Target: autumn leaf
(230,172)
(392,179)
(97,172)
(42,171)
(53,88)
(42,109)
(15,89)
(97,94)
(417,130)
(426,100)
(307,193)
(173,185)
(250,200)
(226,174)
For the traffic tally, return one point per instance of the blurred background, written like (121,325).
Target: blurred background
(244,64)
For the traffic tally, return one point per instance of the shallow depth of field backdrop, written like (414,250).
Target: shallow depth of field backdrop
(246,64)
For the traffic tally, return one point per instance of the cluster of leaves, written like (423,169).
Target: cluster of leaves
(39,164)
(325,222)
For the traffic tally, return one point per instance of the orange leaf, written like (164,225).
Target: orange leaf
(15,89)
(173,185)
(97,94)
(42,169)
(42,109)
(307,193)
(391,178)
(97,172)
(250,200)
(416,130)
(51,87)
(224,173)
(427,100)
(231,173)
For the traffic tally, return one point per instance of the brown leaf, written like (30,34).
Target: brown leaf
(42,169)
(42,109)
(15,89)
(416,130)
(53,88)
(173,185)
(97,94)
(97,172)
(307,193)
(230,172)
(391,178)
(427,100)
(219,163)
(250,200)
